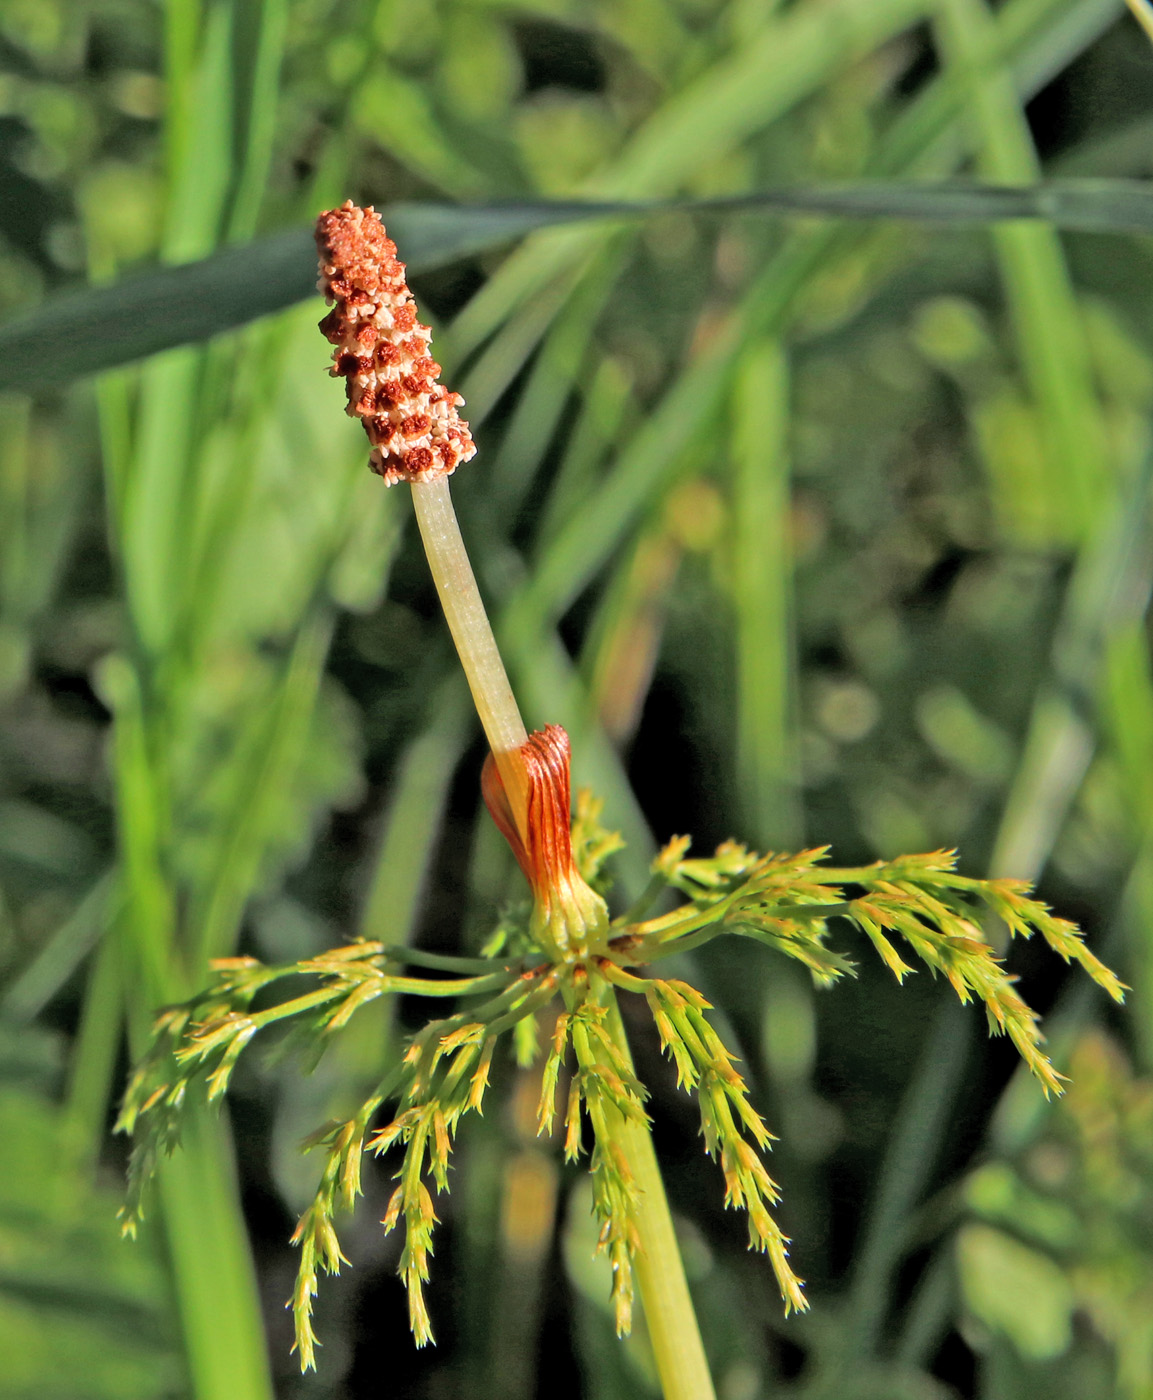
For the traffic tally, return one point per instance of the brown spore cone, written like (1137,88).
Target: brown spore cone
(382,352)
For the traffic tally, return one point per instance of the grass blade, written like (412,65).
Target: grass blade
(263,776)
(259,46)
(762,587)
(1049,331)
(104,327)
(215,1280)
(419,792)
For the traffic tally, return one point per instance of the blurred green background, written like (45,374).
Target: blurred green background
(809,531)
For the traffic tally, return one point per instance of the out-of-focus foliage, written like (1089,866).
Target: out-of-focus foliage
(1055,1267)
(808,532)
(81,1314)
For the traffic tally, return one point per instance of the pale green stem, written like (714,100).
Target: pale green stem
(660,1272)
(1143,13)
(472,633)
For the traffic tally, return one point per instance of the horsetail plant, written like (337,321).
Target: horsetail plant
(562,965)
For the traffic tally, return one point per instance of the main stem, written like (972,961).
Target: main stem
(472,633)
(660,1271)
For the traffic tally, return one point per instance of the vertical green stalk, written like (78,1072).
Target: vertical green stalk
(660,1271)
(1042,303)
(212,1265)
(215,916)
(260,32)
(93,1063)
(154,468)
(762,581)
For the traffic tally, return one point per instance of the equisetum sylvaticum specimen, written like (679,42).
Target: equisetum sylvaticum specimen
(560,968)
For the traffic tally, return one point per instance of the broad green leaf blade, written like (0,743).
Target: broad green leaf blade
(107,326)
(98,329)
(1099,206)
